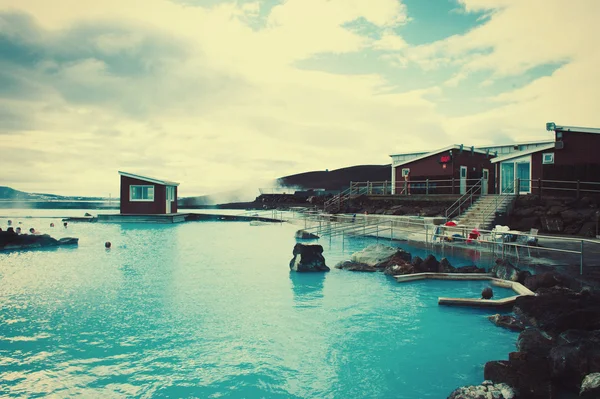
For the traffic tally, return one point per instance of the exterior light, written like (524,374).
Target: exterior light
(550,126)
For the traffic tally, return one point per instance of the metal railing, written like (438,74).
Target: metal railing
(455,210)
(401,187)
(491,207)
(338,200)
(560,187)
(504,244)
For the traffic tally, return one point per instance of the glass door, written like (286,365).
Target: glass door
(523,176)
(507,177)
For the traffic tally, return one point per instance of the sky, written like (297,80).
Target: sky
(223,94)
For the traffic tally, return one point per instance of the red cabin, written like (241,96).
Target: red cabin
(141,195)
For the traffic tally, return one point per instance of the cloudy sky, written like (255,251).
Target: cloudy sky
(224,93)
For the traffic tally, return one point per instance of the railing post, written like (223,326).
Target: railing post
(581,260)
(578,188)
(518,188)
(350,188)
(540,188)
(427,187)
(453,185)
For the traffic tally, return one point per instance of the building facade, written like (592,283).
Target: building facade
(449,170)
(141,195)
(571,157)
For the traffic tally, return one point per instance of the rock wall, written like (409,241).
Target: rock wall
(556,215)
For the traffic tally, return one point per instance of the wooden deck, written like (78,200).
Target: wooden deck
(175,218)
(131,218)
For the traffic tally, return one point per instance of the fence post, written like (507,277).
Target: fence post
(578,187)
(540,188)
(385,187)
(453,185)
(581,260)
(427,187)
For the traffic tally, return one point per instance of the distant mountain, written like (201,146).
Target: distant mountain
(8,193)
(338,179)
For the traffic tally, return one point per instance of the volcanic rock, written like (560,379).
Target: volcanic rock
(308,258)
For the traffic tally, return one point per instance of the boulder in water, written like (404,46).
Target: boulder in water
(505,270)
(305,235)
(486,390)
(308,258)
(507,321)
(590,387)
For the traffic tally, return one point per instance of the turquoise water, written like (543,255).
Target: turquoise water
(210,310)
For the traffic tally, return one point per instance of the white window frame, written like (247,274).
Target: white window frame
(405,172)
(150,190)
(170,193)
(545,161)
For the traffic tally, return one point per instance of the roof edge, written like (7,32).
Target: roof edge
(149,179)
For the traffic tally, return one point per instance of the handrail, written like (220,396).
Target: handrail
(338,199)
(457,205)
(498,201)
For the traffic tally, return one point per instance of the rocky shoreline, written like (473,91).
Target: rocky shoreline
(13,241)
(558,348)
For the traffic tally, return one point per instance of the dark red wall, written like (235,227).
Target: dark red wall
(431,168)
(142,207)
(578,160)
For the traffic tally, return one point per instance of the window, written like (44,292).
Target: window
(141,193)
(405,172)
(548,158)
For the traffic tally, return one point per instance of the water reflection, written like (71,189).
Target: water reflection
(307,288)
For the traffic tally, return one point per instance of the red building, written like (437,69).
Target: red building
(573,156)
(142,195)
(449,170)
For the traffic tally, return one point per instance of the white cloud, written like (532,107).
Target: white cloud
(196,95)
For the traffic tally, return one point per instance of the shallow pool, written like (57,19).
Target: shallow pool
(211,310)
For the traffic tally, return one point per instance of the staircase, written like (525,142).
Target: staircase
(336,203)
(482,213)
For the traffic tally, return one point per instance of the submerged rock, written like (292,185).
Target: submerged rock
(397,270)
(484,391)
(506,321)
(590,387)
(12,241)
(505,270)
(305,235)
(379,255)
(308,258)
(355,266)
(377,258)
